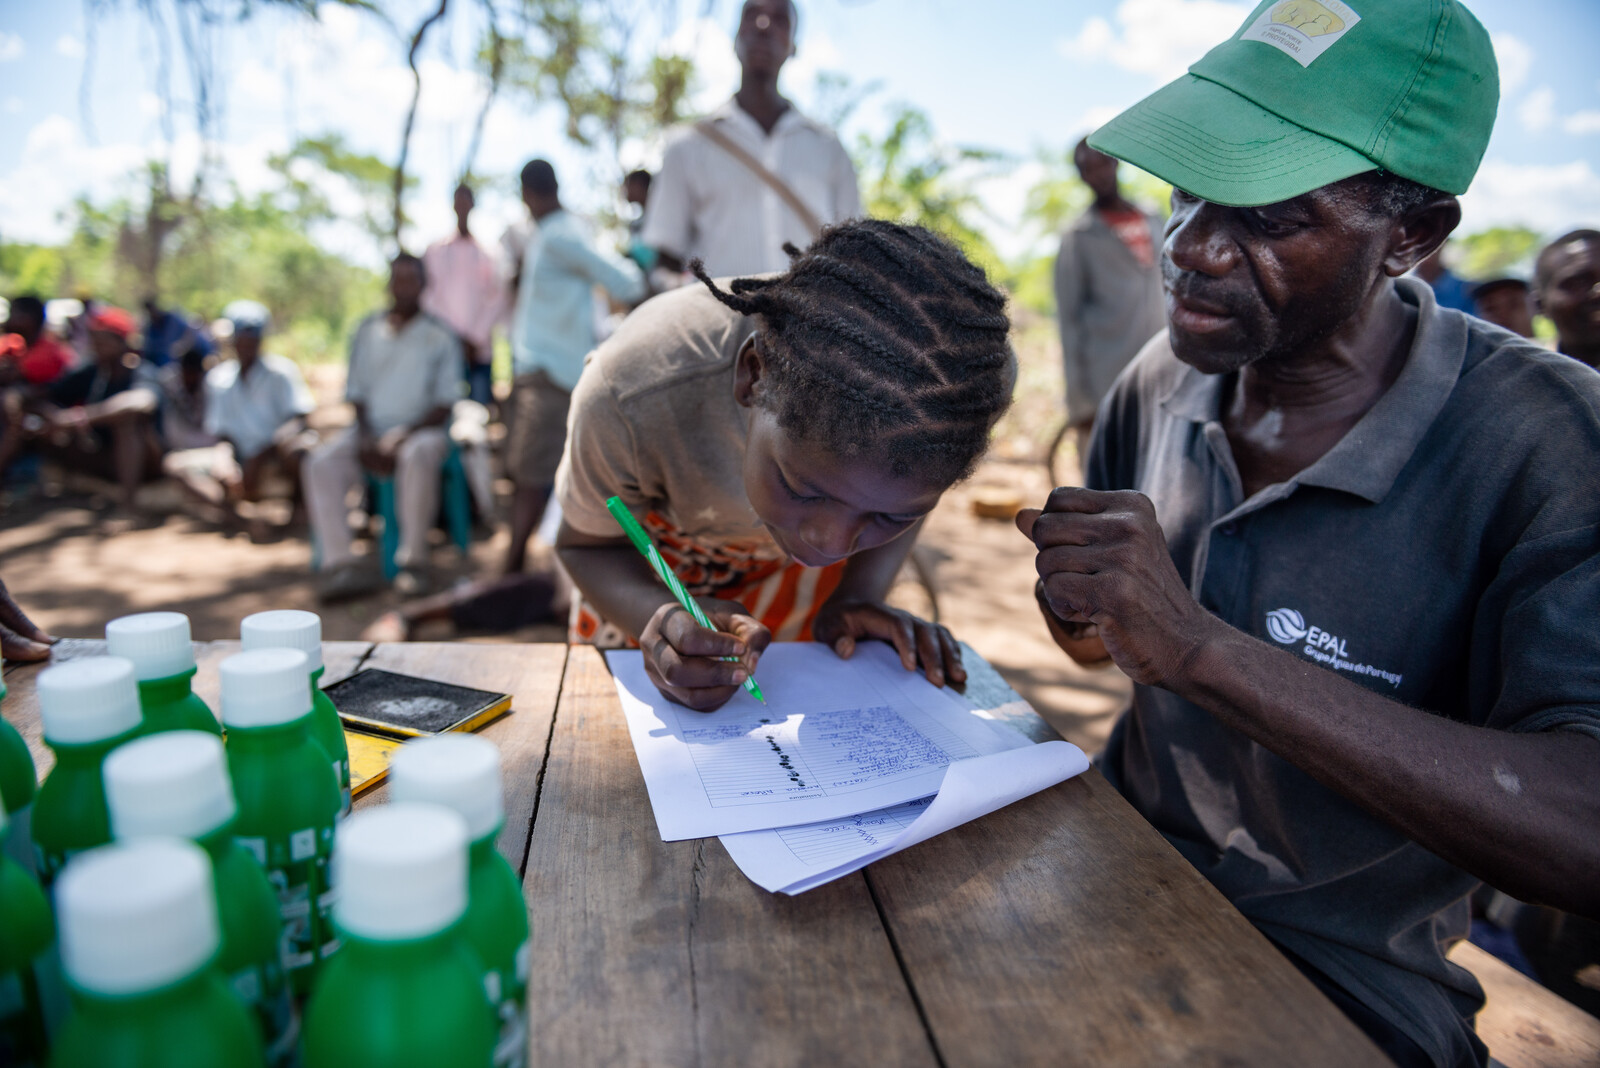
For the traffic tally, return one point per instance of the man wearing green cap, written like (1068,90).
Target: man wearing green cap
(1328,529)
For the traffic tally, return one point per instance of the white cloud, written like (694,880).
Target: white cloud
(55,165)
(1538,109)
(69,46)
(716,69)
(1515,59)
(1549,198)
(1159,38)
(10,47)
(1582,122)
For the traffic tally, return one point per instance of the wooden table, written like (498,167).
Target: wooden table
(1061,930)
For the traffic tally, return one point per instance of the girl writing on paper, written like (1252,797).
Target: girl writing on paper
(783,438)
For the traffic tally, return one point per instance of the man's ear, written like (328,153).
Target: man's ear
(748,369)
(1415,236)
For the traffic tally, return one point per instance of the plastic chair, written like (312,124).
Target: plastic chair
(454,494)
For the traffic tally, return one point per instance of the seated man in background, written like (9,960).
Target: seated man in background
(405,374)
(31,355)
(1567,290)
(100,419)
(254,410)
(30,359)
(1327,529)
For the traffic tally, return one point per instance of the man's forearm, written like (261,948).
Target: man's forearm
(1485,800)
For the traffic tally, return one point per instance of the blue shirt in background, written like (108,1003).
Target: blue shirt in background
(554,326)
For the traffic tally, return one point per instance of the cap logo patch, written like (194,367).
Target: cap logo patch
(1302,29)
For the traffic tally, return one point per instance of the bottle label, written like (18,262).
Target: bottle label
(297,867)
(509,995)
(264,992)
(341,771)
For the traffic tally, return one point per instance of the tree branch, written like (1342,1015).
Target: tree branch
(411,118)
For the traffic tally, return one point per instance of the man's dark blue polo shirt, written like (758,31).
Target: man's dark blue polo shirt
(1446,554)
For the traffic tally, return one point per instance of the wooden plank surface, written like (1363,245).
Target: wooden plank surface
(531,674)
(648,952)
(1065,922)
(1523,1024)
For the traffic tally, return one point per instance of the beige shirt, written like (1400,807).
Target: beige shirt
(401,376)
(654,421)
(705,203)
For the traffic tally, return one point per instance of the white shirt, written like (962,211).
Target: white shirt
(401,376)
(247,410)
(705,203)
(464,289)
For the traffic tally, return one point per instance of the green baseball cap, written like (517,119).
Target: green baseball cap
(1311,91)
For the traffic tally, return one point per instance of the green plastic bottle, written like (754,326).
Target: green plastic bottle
(292,629)
(406,989)
(26,931)
(19,781)
(139,938)
(287,795)
(163,660)
(87,707)
(176,784)
(462,773)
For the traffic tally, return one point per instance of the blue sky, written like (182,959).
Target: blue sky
(1006,74)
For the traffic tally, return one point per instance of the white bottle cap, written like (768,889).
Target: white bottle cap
(459,771)
(400,871)
(286,628)
(156,642)
(171,784)
(136,916)
(88,700)
(264,688)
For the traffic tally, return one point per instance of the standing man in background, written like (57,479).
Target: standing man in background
(1108,292)
(737,185)
(466,293)
(552,332)
(1567,289)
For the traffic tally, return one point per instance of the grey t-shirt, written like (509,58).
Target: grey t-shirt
(1446,554)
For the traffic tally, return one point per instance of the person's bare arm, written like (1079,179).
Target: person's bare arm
(681,657)
(138,400)
(856,610)
(1516,810)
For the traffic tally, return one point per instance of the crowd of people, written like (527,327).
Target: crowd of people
(1323,524)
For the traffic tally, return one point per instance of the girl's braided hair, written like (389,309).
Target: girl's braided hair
(885,340)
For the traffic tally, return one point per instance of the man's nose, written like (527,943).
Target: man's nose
(1198,240)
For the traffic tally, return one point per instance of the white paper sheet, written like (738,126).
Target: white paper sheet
(792,860)
(836,738)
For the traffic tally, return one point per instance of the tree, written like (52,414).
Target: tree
(910,176)
(595,59)
(312,163)
(1494,251)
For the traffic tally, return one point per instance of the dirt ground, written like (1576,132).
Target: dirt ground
(73,571)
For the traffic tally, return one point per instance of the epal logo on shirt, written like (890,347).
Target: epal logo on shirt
(1302,29)
(1287,626)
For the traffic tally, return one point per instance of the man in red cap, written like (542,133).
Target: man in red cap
(98,418)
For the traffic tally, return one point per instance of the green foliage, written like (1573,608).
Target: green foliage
(910,176)
(309,166)
(211,253)
(581,54)
(1492,251)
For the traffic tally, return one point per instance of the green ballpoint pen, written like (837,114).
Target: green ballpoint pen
(647,548)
